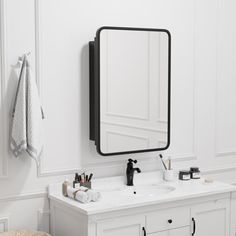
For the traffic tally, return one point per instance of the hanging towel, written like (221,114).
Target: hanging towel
(27,116)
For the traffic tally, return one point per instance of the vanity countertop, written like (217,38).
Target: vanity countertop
(148,190)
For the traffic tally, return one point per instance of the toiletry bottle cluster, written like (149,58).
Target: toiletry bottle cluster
(80,190)
(82,180)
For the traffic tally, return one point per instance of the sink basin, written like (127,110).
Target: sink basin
(147,191)
(134,192)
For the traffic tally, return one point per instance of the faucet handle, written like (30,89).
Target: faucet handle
(131,160)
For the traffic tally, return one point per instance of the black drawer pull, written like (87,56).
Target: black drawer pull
(170,221)
(194,226)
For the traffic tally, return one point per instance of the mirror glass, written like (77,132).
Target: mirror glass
(134,90)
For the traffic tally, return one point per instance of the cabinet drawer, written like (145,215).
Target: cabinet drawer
(184,231)
(168,219)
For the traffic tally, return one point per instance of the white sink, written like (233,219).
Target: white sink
(134,192)
(147,191)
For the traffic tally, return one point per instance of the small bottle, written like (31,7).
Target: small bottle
(76,183)
(195,173)
(64,187)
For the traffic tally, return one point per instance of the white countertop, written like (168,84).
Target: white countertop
(114,193)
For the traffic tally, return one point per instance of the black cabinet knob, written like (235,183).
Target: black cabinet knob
(169,221)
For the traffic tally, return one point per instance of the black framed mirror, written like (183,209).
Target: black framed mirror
(130,75)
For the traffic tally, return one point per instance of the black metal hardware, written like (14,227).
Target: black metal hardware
(131,160)
(194,226)
(130,172)
(91,90)
(94,53)
(170,221)
(144,231)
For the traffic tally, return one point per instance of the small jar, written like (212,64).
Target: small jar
(184,175)
(195,173)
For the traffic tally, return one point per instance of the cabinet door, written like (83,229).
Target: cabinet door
(125,226)
(211,218)
(184,231)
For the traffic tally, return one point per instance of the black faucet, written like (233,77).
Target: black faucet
(130,172)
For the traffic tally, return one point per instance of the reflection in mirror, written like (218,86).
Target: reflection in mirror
(130,81)
(133,90)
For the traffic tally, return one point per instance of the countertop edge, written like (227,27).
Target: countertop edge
(58,199)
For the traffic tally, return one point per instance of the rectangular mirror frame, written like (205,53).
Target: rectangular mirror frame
(94,89)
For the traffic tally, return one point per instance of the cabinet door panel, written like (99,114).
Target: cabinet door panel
(130,226)
(185,231)
(212,218)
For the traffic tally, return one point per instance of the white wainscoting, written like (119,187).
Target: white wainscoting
(43,220)
(3,120)
(25,211)
(4,224)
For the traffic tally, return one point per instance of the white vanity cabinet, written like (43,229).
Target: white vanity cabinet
(184,231)
(233,214)
(193,208)
(212,217)
(167,219)
(131,226)
(198,217)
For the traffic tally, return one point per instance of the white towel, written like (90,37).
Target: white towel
(27,116)
(83,195)
(95,196)
(78,194)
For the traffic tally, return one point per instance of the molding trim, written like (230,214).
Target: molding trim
(193,156)
(23,196)
(38,40)
(5,222)
(134,126)
(3,144)
(56,172)
(217,153)
(219,170)
(223,153)
(43,220)
(38,71)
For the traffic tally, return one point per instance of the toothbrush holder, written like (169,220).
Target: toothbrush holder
(169,175)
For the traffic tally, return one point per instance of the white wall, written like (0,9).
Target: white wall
(56,32)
